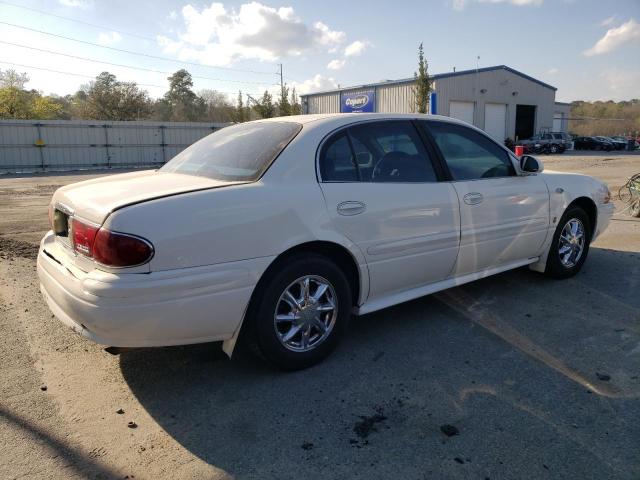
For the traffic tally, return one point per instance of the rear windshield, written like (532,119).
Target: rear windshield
(238,153)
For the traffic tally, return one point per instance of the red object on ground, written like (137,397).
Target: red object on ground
(519,150)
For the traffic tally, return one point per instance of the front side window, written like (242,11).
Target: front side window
(238,153)
(469,154)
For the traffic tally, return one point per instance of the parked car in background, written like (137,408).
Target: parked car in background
(277,231)
(620,143)
(617,144)
(564,138)
(543,143)
(592,143)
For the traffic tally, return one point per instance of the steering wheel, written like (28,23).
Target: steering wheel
(389,165)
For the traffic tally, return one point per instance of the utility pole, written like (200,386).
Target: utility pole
(281,82)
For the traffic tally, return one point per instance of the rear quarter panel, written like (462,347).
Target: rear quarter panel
(265,218)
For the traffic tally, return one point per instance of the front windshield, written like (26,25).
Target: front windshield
(238,153)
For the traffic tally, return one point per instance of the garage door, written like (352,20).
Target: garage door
(557,122)
(462,111)
(495,121)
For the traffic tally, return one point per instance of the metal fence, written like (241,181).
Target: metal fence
(43,145)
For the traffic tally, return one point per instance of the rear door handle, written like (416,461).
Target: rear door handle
(473,198)
(351,208)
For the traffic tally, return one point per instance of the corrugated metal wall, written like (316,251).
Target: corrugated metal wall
(28,146)
(396,98)
(323,103)
(392,98)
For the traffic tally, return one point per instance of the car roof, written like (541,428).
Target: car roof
(346,118)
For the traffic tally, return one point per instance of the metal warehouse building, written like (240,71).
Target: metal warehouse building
(500,100)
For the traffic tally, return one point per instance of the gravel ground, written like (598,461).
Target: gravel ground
(513,376)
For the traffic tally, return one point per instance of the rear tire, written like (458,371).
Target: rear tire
(293,333)
(570,244)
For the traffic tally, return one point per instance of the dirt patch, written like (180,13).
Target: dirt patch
(10,249)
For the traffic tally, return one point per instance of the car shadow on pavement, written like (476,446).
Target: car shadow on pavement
(534,375)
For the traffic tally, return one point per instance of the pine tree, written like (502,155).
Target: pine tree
(296,108)
(284,107)
(423,82)
(265,107)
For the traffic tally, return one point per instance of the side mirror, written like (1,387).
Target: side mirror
(530,164)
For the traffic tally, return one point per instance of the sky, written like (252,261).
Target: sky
(588,49)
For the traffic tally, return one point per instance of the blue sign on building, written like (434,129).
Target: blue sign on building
(358,102)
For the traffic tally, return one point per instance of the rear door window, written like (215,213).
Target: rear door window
(388,151)
(391,151)
(337,162)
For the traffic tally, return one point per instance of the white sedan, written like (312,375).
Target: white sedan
(277,231)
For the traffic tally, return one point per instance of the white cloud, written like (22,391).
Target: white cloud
(109,38)
(328,37)
(216,35)
(620,84)
(83,4)
(616,37)
(609,21)
(336,64)
(315,84)
(460,4)
(552,71)
(356,48)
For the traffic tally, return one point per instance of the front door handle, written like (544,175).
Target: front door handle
(473,198)
(351,208)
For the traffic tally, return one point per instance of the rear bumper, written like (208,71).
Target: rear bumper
(174,307)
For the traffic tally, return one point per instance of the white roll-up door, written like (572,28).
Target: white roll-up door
(462,111)
(557,122)
(495,121)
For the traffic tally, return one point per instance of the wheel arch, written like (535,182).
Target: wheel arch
(335,252)
(346,260)
(589,206)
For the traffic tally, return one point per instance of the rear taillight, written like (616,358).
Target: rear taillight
(120,250)
(109,248)
(82,236)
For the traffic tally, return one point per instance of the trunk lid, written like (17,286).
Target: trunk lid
(95,199)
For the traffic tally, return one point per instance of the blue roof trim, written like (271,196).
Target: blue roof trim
(437,77)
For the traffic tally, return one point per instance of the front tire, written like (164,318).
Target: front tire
(300,312)
(570,244)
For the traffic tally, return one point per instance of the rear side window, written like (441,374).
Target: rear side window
(337,163)
(389,152)
(469,154)
(241,152)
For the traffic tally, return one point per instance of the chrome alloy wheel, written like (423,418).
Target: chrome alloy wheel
(305,313)
(571,243)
